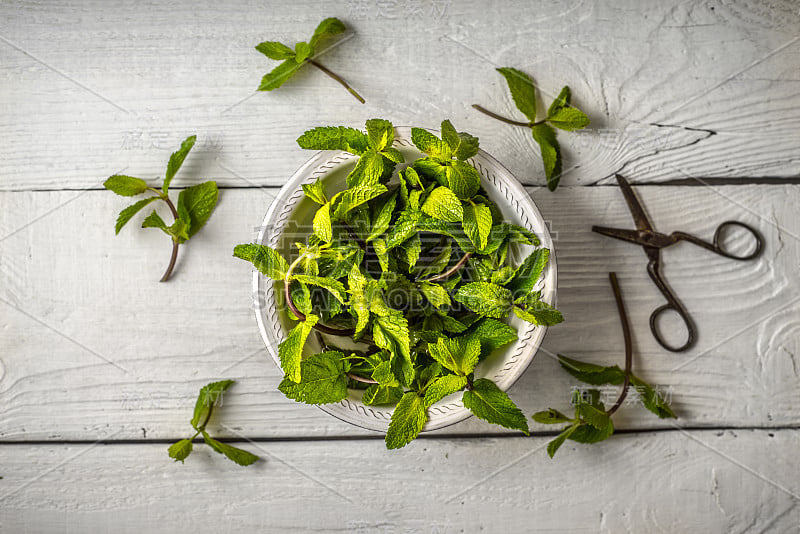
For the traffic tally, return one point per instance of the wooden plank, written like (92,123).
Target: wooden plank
(75,298)
(698,481)
(124,85)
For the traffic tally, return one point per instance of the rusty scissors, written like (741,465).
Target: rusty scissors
(652,241)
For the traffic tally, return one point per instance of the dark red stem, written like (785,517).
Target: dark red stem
(626,332)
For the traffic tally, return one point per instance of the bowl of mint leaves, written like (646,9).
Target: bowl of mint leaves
(404,280)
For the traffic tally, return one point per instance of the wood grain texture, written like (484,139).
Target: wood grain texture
(93,343)
(673,88)
(667,482)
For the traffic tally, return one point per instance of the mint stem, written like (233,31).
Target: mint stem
(175,243)
(451,270)
(336,77)
(626,332)
(506,119)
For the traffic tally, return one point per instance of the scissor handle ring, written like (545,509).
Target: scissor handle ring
(723,252)
(657,333)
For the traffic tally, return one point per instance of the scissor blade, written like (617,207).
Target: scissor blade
(640,217)
(631,236)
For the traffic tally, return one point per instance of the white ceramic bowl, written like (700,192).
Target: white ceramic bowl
(289,220)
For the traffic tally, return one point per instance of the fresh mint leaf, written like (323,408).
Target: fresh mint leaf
(551,153)
(592,415)
(382,217)
(380,395)
(528,273)
(128,213)
(322,380)
(442,387)
(569,119)
(430,144)
(334,138)
(316,192)
(176,160)
(265,259)
(486,299)
(353,197)
(126,186)
(463,179)
(302,51)
(492,334)
(322,223)
(490,403)
(208,397)
(232,453)
(334,286)
(477,224)
(279,75)
(380,133)
(551,417)
(275,50)
(154,220)
(326,29)
(555,444)
(586,433)
(408,418)
(460,355)
(444,205)
(651,399)
(180,450)
(436,294)
(591,373)
(561,101)
(523,91)
(540,313)
(404,227)
(462,145)
(199,201)
(290,351)
(391,333)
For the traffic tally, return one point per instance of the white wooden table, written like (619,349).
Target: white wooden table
(100,364)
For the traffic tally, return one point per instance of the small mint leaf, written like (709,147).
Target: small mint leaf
(322,380)
(545,136)
(176,160)
(126,186)
(326,29)
(279,75)
(265,259)
(490,403)
(234,454)
(569,119)
(128,213)
(275,50)
(207,398)
(198,201)
(550,417)
(408,418)
(523,91)
(302,51)
(290,351)
(180,450)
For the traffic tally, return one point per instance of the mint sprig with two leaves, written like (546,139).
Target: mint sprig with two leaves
(302,53)
(412,264)
(210,396)
(561,114)
(592,422)
(195,203)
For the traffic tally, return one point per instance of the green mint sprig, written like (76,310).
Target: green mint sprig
(560,115)
(303,52)
(195,203)
(592,422)
(413,265)
(207,400)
